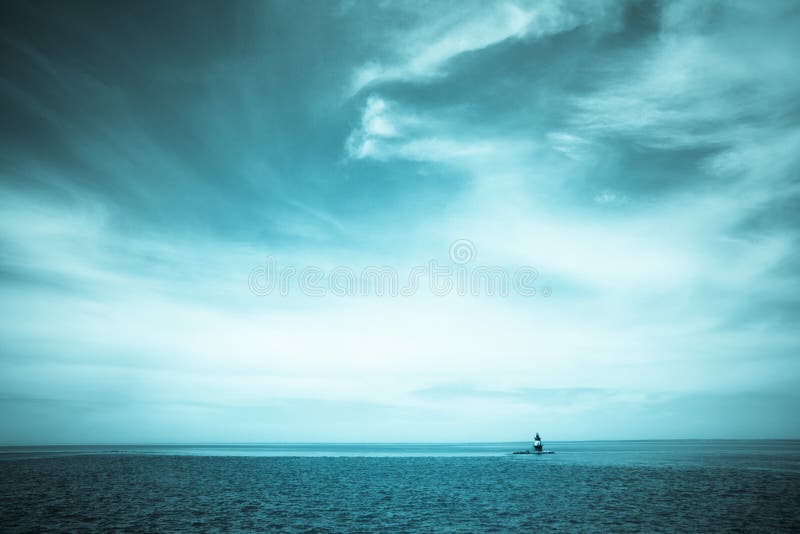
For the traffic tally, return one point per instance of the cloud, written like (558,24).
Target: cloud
(448,33)
(390,131)
(607,198)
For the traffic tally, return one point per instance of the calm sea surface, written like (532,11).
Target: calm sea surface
(586,486)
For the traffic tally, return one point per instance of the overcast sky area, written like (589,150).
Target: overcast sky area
(643,157)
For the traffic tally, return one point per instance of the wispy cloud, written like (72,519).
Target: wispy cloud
(447,31)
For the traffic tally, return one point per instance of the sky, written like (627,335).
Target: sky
(640,158)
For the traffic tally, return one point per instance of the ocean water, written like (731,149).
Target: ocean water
(643,486)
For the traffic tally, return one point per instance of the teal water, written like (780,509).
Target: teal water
(589,486)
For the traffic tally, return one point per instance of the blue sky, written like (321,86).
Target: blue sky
(642,156)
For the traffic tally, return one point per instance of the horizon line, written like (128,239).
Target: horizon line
(272,443)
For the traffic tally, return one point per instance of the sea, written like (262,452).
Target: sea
(604,486)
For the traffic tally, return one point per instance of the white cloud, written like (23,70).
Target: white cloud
(607,197)
(448,33)
(389,131)
(709,79)
(572,146)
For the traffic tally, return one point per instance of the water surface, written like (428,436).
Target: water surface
(594,486)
